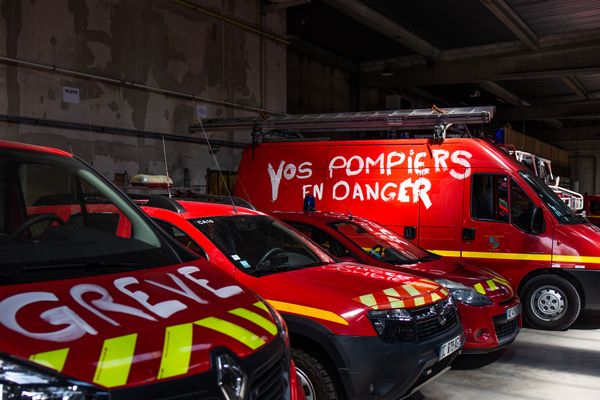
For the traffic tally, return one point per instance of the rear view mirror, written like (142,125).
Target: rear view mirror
(537,221)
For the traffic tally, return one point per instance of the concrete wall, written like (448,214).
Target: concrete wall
(584,161)
(157,43)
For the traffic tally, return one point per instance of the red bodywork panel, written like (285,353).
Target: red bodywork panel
(327,294)
(474,318)
(30,147)
(417,184)
(69,325)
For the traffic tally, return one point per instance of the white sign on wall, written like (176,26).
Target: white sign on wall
(70,95)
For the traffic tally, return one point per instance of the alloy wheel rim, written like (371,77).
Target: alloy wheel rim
(307,386)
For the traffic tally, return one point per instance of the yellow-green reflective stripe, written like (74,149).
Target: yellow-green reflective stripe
(479,288)
(507,256)
(307,311)
(446,253)
(236,332)
(428,284)
(261,305)
(369,301)
(392,292)
(491,284)
(444,292)
(501,281)
(411,290)
(177,350)
(256,318)
(419,301)
(395,303)
(115,361)
(54,359)
(581,259)
(435,297)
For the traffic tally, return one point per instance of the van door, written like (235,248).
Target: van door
(440,224)
(496,230)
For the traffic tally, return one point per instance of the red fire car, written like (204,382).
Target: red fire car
(489,310)
(96,302)
(357,332)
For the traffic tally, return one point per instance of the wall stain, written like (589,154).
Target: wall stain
(11,12)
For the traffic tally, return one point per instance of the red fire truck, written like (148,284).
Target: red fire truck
(459,197)
(97,303)
(357,332)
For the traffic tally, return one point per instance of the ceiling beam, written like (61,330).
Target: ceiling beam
(577,87)
(386,26)
(553,63)
(512,21)
(503,94)
(280,5)
(574,110)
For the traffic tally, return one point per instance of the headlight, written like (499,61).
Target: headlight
(22,382)
(279,322)
(465,294)
(393,325)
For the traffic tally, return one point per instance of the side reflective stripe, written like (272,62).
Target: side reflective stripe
(446,253)
(234,331)
(256,318)
(369,301)
(492,285)
(177,351)
(54,359)
(307,311)
(581,259)
(115,361)
(507,256)
(262,306)
(479,288)
(411,290)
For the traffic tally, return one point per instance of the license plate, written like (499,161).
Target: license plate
(449,347)
(513,312)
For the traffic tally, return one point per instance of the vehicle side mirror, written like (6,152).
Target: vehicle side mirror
(538,224)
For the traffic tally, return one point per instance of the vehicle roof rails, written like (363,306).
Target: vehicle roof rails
(165,203)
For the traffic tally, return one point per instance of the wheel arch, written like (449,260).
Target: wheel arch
(556,272)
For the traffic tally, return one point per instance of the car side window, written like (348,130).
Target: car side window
(489,197)
(181,237)
(323,239)
(521,207)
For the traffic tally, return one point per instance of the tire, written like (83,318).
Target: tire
(550,302)
(316,379)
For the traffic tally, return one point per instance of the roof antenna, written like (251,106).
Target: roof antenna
(210,150)
(166,166)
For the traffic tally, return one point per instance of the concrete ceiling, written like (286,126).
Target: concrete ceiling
(537,61)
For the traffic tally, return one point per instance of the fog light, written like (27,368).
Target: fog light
(482,335)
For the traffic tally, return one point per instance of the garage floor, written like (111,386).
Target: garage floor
(538,365)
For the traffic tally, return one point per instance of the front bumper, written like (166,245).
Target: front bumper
(486,328)
(373,369)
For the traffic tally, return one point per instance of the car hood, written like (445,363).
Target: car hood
(135,327)
(345,291)
(483,280)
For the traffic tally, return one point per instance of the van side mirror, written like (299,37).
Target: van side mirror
(538,224)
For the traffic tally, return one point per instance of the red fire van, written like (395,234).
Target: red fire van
(457,197)
(357,332)
(97,303)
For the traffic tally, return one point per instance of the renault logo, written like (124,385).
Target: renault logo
(231,378)
(439,310)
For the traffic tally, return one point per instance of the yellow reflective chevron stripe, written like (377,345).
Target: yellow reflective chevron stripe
(444,292)
(307,311)
(369,301)
(234,331)
(411,290)
(177,350)
(492,284)
(419,301)
(395,303)
(256,318)
(579,259)
(115,361)
(54,359)
(479,288)
(435,297)
(446,253)
(262,306)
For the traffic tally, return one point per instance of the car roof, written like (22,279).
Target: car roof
(6,144)
(200,209)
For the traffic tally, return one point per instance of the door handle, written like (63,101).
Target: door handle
(410,232)
(468,234)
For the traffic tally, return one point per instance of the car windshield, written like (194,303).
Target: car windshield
(381,243)
(59,219)
(560,210)
(260,245)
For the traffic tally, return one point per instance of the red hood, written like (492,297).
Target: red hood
(135,327)
(345,291)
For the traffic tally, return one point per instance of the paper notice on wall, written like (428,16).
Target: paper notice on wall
(70,95)
(201,111)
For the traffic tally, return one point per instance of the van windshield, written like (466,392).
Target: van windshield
(380,243)
(561,211)
(260,245)
(60,219)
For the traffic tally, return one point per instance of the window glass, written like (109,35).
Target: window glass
(521,207)
(60,216)
(489,197)
(181,237)
(323,239)
(260,245)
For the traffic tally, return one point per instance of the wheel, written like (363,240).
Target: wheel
(550,302)
(316,380)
